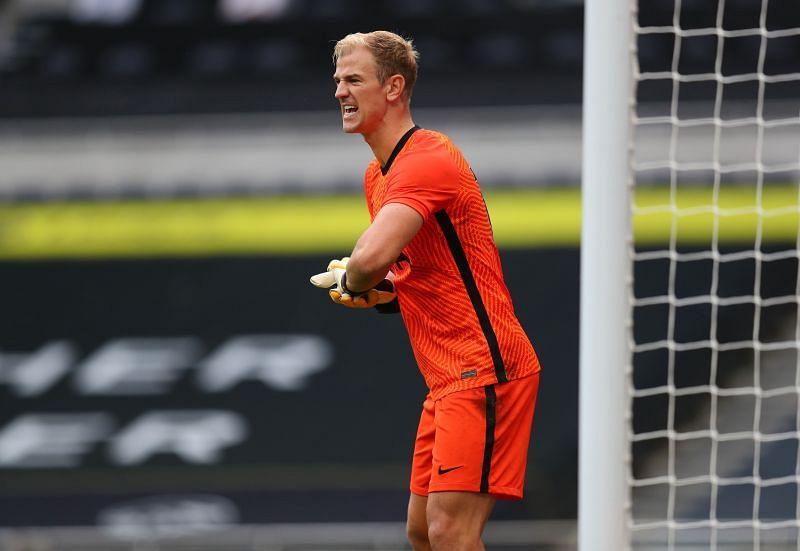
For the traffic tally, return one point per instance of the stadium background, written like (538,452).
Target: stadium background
(172,174)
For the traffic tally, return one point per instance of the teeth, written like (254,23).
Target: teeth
(349,109)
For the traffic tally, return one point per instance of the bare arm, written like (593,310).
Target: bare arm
(380,245)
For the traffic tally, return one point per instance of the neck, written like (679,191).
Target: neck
(383,140)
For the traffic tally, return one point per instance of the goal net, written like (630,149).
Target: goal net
(714,366)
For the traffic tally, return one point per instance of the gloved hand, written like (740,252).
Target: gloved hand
(336,281)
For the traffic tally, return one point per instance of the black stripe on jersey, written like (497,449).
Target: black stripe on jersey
(460,258)
(385,168)
(491,420)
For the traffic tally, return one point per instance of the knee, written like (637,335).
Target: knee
(417,534)
(444,532)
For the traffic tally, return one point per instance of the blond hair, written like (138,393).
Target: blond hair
(394,55)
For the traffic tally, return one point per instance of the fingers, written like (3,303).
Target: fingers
(368,300)
(385,297)
(324,280)
(382,293)
(338,263)
(328,279)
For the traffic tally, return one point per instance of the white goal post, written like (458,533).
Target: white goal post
(690,287)
(604,274)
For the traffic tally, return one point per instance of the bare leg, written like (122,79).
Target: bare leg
(456,520)
(417,524)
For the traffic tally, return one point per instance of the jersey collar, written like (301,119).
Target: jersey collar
(385,168)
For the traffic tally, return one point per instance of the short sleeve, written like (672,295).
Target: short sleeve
(426,181)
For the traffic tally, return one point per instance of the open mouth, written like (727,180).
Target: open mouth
(349,109)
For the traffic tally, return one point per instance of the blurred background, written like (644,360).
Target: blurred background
(173,171)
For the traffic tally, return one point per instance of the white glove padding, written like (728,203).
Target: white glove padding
(335,280)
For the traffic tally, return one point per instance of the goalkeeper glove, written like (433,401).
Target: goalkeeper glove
(335,279)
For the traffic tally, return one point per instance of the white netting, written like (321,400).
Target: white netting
(715,369)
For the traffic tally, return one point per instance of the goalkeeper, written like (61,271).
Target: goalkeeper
(429,252)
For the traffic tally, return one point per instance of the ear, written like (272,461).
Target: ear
(395,86)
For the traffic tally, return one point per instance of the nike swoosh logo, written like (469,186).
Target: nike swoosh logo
(445,471)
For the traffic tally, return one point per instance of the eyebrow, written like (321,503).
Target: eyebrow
(347,76)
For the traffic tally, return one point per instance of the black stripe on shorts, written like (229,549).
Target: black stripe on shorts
(491,420)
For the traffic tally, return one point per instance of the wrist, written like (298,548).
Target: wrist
(349,291)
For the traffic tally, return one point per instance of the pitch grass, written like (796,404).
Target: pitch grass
(330,224)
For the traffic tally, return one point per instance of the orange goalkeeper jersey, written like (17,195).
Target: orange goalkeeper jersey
(449,281)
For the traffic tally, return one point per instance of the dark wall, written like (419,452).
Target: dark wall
(187,59)
(316,421)
(179,56)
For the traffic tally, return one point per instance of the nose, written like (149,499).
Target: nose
(341,90)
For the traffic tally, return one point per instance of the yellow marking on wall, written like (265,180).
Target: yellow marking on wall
(331,224)
(737,215)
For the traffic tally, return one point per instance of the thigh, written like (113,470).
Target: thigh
(467,512)
(417,513)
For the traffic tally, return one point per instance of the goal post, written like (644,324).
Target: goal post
(604,268)
(690,276)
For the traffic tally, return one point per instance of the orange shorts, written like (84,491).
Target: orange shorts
(476,440)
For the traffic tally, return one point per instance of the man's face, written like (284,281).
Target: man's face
(362,98)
